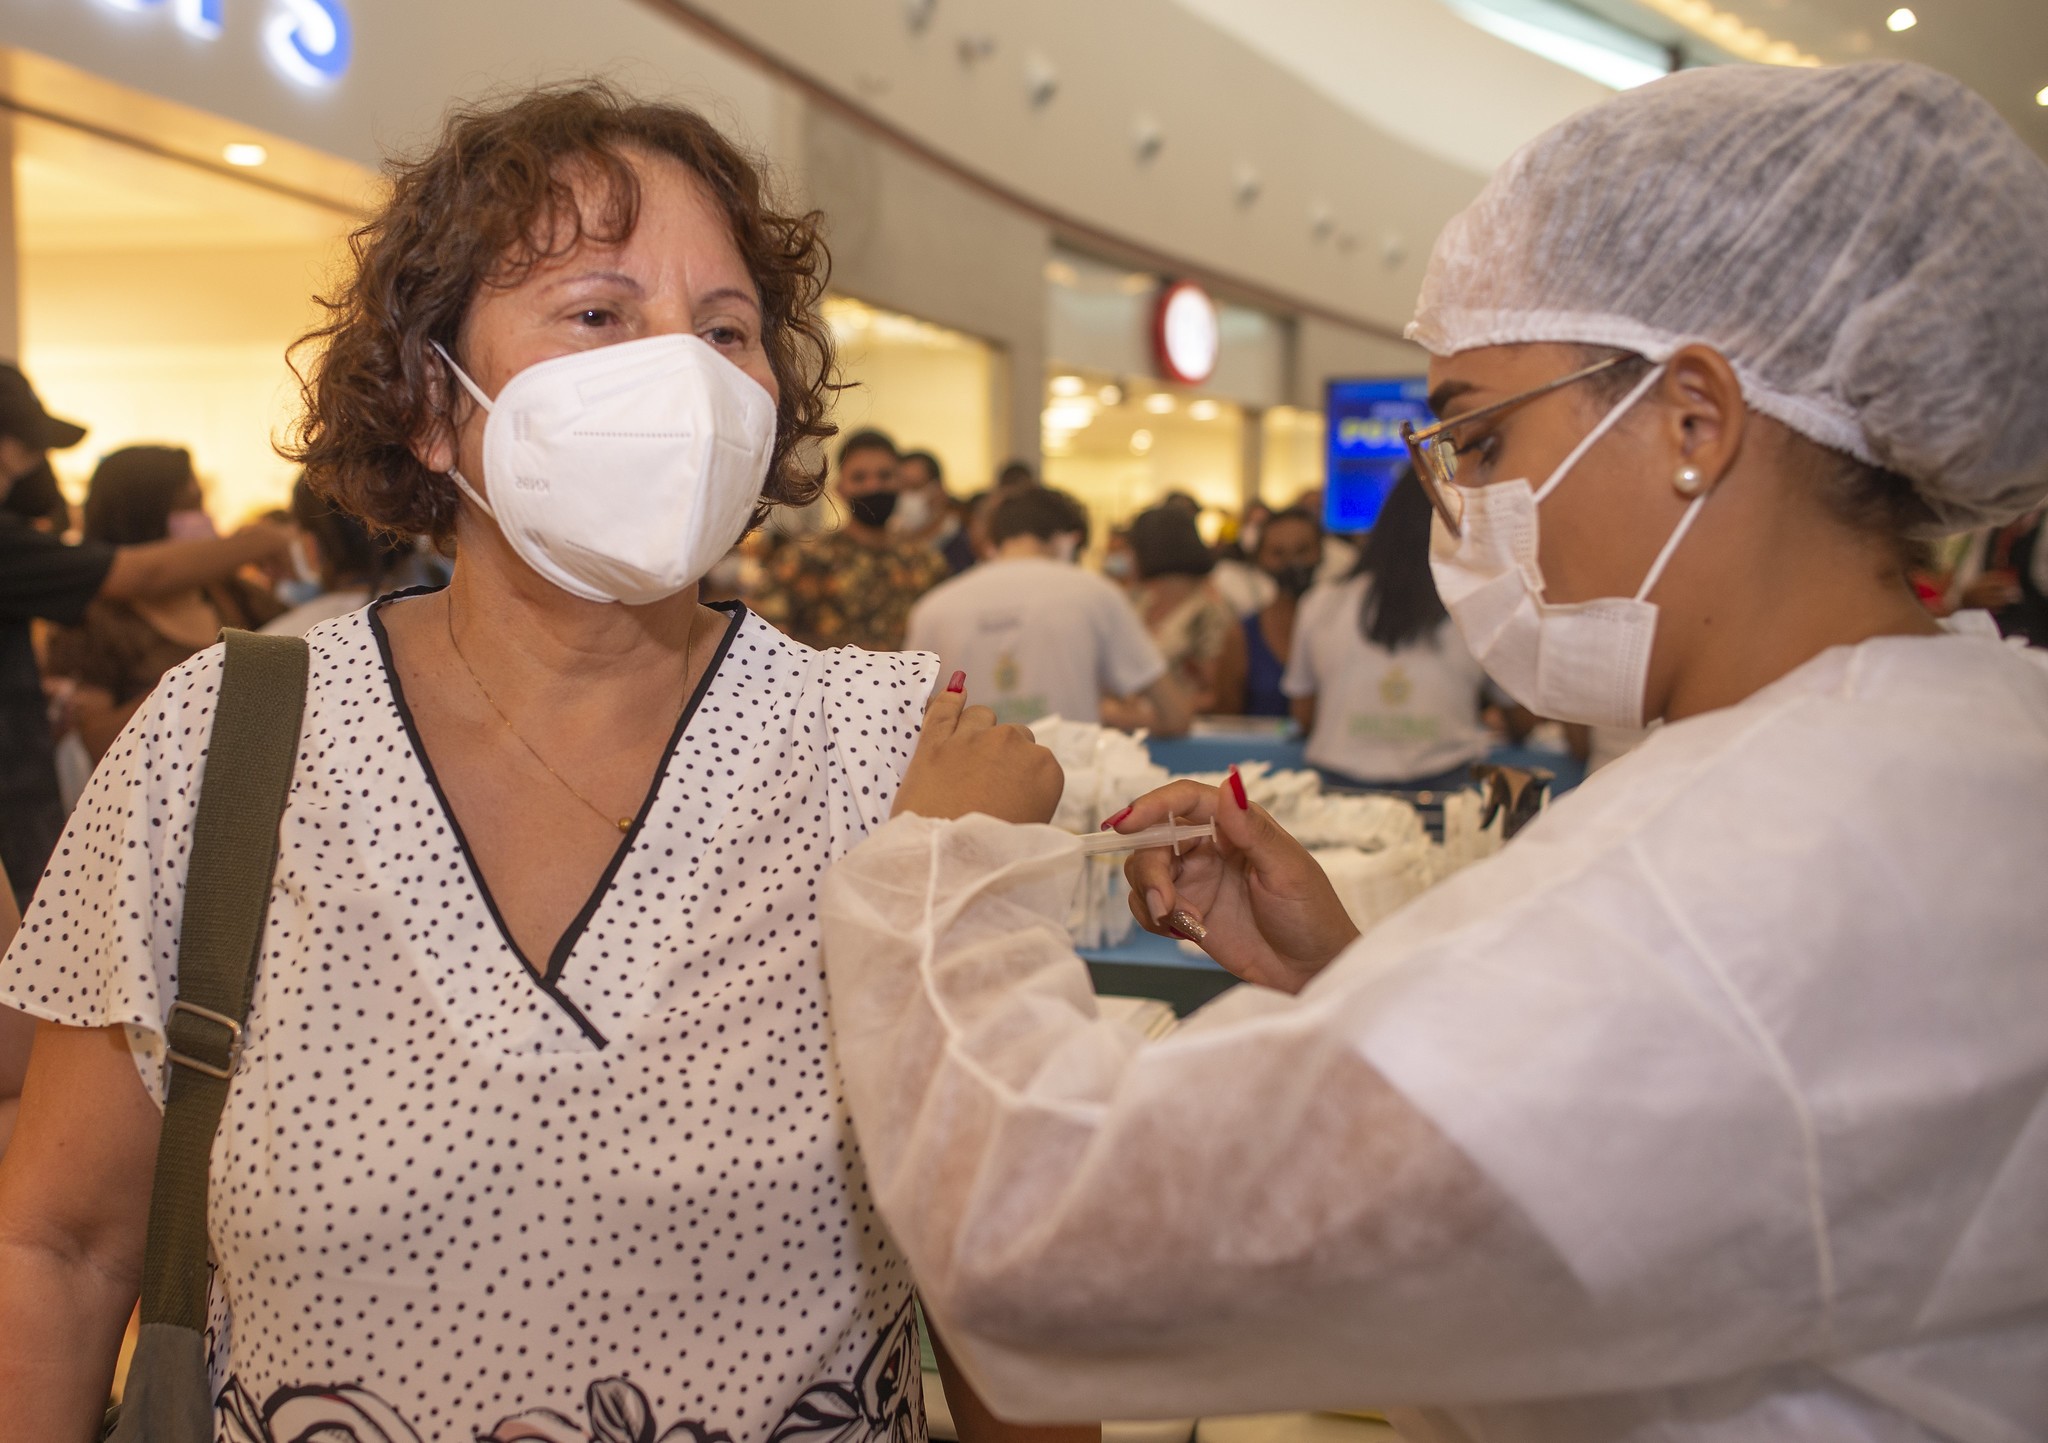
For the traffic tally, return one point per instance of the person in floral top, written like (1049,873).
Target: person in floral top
(853,586)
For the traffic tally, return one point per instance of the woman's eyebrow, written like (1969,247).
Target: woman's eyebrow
(617,278)
(1448,392)
(730,293)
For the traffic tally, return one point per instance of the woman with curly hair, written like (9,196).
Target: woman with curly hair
(535,1133)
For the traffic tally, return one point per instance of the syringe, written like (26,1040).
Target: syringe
(1166,834)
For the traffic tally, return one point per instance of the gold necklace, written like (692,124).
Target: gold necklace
(624,824)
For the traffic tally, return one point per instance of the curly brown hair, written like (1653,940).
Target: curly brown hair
(490,202)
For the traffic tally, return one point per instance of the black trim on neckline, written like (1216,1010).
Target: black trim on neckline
(550,980)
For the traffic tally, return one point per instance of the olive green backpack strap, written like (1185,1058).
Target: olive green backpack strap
(249,758)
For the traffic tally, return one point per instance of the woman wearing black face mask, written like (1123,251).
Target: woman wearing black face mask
(1388,694)
(1289,550)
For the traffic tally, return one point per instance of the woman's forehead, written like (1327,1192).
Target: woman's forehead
(677,221)
(1471,378)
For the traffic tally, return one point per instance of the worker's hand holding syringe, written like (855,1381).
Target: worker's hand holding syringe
(1246,892)
(1205,865)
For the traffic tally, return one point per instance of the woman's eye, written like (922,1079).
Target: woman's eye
(726,336)
(595,318)
(1479,449)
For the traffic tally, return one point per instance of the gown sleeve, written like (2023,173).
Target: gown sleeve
(1254,1213)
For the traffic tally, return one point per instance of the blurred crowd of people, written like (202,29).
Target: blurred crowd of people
(1154,628)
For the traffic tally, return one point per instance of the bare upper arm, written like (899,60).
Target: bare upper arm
(99,717)
(17,1032)
(1232,664)
(75,1180)
(1170,709)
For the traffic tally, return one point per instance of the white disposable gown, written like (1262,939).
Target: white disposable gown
(1715,1107)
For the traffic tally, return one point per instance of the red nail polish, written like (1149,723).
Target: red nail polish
(958,683)
(1237,791)
(1111,824)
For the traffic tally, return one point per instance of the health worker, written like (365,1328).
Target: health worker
(1716,1106)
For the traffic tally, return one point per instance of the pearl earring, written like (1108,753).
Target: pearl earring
(1688,481)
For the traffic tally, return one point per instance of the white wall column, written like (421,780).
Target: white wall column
(10,247)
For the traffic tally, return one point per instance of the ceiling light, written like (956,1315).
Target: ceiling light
(1110,395)
(1204,410)
(1146,139)
(1067,385)
(2041,96)
(1564,34)
(1068,416)
(1731,33)
(1141,442)
(1900,19)
(244,153)
(1159,403)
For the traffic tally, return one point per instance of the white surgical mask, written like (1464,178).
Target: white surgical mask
(1588,662)
(912,514)
(624,473)
(190,524)
(303,585)
(305,563)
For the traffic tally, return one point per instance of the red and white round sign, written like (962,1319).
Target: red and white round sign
(1186,333)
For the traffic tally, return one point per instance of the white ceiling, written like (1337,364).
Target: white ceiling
(1411,68)
(1999,48)
(1416,69)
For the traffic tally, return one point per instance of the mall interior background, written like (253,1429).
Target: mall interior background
(1009,187)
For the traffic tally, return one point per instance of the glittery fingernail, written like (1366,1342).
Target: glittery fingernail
(958,683)
(1187,926)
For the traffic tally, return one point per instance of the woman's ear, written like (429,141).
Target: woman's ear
(1705,417)
(433,444)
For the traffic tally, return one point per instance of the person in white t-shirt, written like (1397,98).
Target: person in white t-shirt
(1386,692)
(1039,636)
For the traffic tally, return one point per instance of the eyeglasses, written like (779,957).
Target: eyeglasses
(1435,453)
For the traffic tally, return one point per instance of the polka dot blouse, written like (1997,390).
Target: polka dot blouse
(455,1199)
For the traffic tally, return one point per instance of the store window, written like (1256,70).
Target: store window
(930,388)
(158,297)
(1291,454)
(1120,437)
(1120,447)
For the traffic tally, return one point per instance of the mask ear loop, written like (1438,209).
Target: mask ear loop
(1664,557)
(482,400)
(1607,423)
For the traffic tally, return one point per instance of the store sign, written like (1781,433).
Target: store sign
(1186,334)
(1366,452)
(308,40)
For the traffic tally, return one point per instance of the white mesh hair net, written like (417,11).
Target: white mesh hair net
(1867,245)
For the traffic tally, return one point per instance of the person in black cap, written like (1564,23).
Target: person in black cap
(43,578)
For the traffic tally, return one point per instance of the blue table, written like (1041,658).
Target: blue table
(1182,755)
(1147,966)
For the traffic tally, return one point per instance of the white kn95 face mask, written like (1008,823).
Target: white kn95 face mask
(624,473)
(1588,662)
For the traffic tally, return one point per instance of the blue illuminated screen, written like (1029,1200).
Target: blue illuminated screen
(1366,453)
